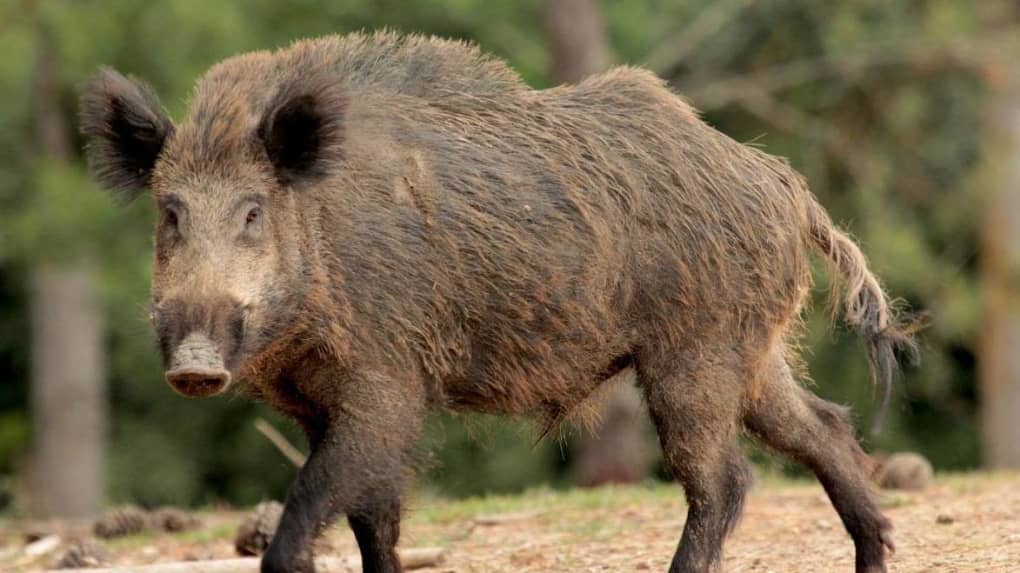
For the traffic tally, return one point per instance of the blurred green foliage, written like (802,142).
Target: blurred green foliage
(892,148)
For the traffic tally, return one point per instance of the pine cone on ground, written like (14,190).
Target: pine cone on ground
(120,521)
(173,520)
(257,530)
(83,553)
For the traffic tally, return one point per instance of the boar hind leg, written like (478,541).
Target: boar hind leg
(357,467)
(377,529)
(694,400)
(819,435)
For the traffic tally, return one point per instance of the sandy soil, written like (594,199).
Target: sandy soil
(967,523)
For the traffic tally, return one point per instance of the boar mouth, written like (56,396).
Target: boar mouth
(197,368)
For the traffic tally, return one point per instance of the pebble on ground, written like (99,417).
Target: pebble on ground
(905,471)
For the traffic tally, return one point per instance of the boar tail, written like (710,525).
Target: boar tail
(865,306)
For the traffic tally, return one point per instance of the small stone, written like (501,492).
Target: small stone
(822,524)
(904,470)
(944,519)
(258,529)
(83,554)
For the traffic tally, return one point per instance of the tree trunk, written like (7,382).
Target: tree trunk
(68,398)
(1000,256)
(577,38)
(68,392)
(616,450)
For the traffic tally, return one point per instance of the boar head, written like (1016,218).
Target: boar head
(230,247)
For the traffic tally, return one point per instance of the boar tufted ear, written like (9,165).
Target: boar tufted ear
(124,128)
(303,128)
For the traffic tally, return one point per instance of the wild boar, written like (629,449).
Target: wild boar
(357,229)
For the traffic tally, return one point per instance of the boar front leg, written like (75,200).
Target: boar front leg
(357,467)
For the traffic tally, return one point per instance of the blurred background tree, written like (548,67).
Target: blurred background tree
(616,449)
(882,104)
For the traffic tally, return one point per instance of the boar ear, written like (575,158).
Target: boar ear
(302,130)
(124,128)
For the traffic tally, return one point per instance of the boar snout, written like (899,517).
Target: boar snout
(200,338)
(197,368)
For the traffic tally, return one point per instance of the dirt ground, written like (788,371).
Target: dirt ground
(964,523)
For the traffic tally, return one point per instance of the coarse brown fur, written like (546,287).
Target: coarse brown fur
(429,231)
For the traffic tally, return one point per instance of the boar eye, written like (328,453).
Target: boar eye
(254,214)
(170,215)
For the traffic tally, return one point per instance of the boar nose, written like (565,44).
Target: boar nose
(197,368)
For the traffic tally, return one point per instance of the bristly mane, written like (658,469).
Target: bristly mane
(414,65)
(232,96)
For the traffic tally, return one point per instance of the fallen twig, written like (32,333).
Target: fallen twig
(38,548)
(280,441)
(409,559)
(43,546)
